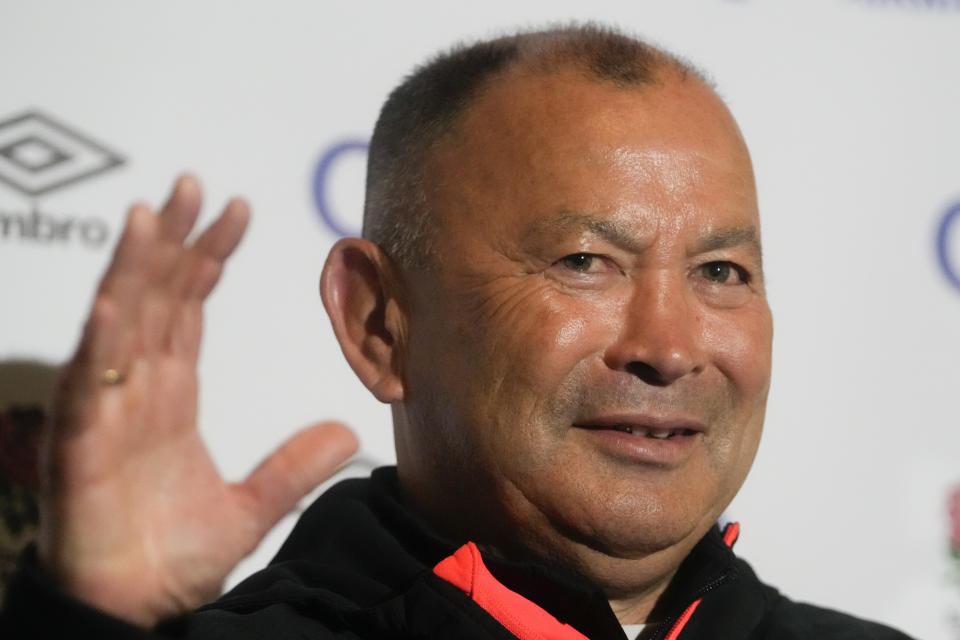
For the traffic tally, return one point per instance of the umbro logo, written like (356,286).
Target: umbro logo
(39,155)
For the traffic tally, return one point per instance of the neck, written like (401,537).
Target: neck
(633,586)
(637,609)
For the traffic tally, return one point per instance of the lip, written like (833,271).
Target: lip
(611,433)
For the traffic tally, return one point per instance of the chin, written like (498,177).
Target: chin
(619,525)
(638,535)
(625,556)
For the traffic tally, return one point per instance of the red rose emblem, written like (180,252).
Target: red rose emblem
(20,444)
(954,502)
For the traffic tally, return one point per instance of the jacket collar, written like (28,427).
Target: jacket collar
(568,596)
(365,519)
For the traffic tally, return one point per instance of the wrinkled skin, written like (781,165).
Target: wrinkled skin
(597,253)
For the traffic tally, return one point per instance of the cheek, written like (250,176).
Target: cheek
(532,332)
(570,332)
(740,349)
(739,346)
(528,351)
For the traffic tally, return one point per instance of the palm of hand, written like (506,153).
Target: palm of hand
(135,517)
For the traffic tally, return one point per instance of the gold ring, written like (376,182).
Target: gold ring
(113,377)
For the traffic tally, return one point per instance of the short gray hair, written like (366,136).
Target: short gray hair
(428,102)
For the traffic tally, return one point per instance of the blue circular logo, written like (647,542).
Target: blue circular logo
(321,184)
(949,264)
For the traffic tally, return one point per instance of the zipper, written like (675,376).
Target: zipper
(682,620)
(684,617)
(730,534)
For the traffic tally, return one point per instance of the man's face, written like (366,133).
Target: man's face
(588,366)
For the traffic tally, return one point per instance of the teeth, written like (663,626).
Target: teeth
(659,434)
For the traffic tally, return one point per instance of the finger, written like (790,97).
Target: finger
(297,467)
(105,342)
(81,379)
(100,337)
(194,276)
(180,212)
(223,236)
(174,223)
(131,257)
(119,295)
(200,270)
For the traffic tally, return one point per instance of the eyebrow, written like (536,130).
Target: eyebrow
(572,221)
(727,237)
(620,235)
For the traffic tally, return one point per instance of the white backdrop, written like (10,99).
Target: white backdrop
(849,106)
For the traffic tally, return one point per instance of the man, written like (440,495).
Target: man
(559,292)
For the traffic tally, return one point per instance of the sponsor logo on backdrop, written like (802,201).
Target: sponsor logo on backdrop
(39,155)
(341,223)
(953,509)
(948,245)
(913,4)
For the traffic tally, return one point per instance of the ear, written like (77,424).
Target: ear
(361,293)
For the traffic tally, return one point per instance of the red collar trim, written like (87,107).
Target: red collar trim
(526,620)
(523,618)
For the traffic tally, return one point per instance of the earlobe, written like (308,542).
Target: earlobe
(361,295)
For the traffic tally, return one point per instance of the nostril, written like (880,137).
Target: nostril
(648,373)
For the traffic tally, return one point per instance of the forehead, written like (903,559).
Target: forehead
(533,145)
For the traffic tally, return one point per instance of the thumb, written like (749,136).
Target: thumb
(301,463)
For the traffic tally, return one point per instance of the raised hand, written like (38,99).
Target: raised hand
(135,518)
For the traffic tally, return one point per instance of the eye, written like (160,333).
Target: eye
(581,262)
(584,270)
(723,272)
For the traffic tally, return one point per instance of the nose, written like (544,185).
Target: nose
(660,336)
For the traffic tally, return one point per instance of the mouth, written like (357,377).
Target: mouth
(664,441)
(646,432)
(644,425)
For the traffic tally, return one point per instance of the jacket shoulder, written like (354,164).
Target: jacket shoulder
(750,609)
(790,620)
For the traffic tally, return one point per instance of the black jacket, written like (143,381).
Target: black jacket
(359,565)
